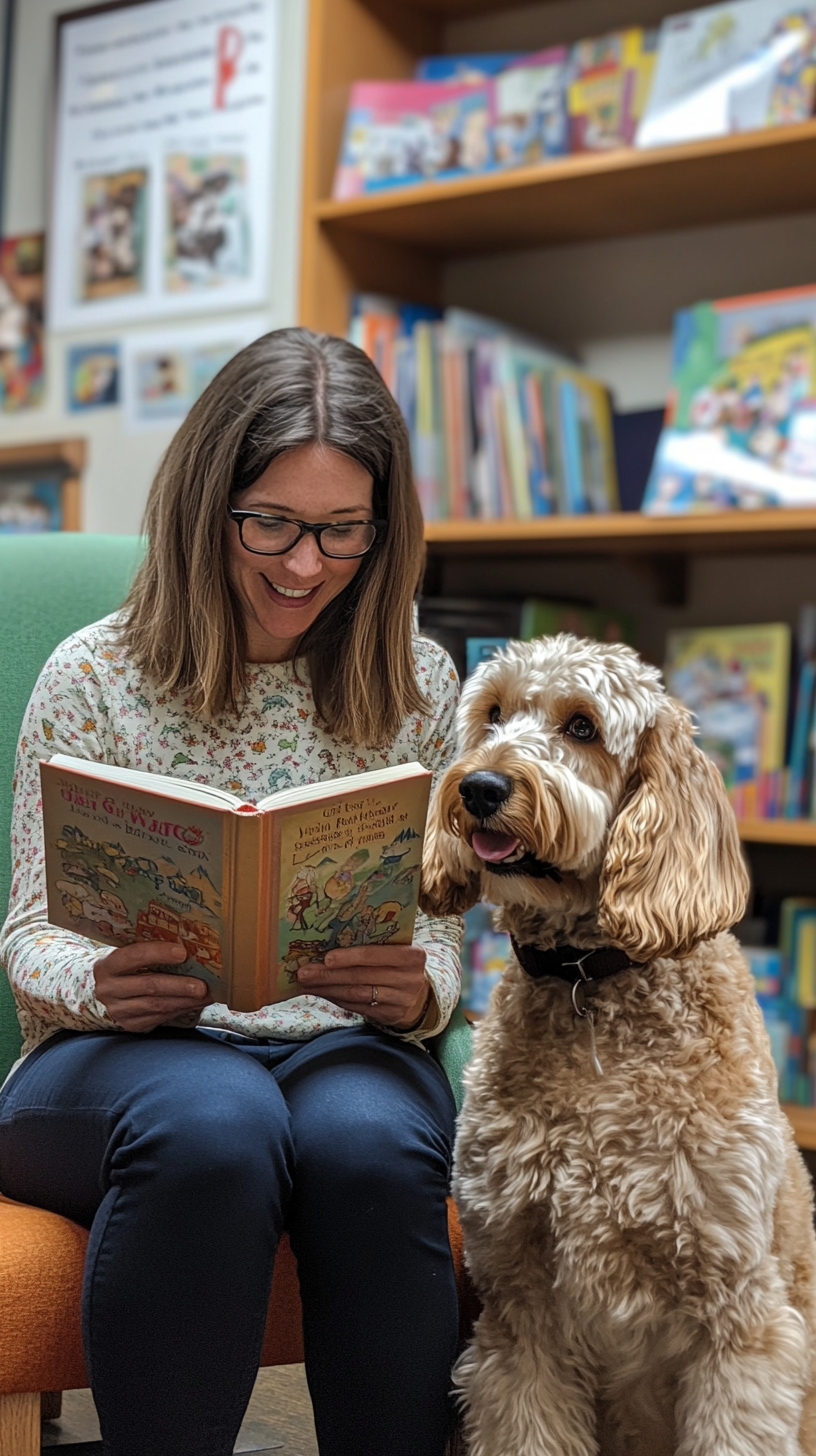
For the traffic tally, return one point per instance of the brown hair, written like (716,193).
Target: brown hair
(182,620)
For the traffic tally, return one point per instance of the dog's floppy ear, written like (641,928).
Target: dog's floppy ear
(673,874)
(451,879)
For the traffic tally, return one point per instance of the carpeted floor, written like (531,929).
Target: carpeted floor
(279,1419)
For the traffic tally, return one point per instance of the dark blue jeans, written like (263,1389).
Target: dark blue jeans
(186,1155)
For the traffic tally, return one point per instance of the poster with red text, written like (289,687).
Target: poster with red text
(163,161)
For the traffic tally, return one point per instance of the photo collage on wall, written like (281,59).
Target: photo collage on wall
(161,198)
(162,195)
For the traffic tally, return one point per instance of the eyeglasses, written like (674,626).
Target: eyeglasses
(274,535)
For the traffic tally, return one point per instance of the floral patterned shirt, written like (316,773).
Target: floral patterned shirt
(91,701)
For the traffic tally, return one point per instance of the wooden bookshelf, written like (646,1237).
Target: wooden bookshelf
(398,242)
(803,1122)
(801,832)
(597,195)
(628,533)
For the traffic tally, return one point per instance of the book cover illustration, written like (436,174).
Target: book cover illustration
(740,424)
(349,875)
(471,66)
(123,867)
(531,109)
(401,132)
(610,76)
(735,681)
(731,67)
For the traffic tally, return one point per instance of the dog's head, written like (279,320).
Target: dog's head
(579,784)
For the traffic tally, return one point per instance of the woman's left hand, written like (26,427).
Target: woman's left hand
(385,983)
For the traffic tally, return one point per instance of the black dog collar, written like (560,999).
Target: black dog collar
(573,965)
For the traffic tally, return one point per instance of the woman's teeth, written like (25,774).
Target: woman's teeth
(289,591)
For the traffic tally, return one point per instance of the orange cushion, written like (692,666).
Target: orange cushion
(41,1261)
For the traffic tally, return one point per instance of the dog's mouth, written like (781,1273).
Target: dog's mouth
(504,854)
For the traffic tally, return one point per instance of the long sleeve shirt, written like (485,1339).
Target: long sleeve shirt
(91,701)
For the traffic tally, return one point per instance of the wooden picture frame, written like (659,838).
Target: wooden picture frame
(57,464)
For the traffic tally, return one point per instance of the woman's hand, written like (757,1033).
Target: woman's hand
(349,978)
(139,998)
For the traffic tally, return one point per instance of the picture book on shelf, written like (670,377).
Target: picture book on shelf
(731,67)
(400,132)
(610,78)
(740,424)
(735,682)
(530,110)
(251,892)
(472,66)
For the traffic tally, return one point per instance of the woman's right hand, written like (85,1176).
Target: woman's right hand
(139,998)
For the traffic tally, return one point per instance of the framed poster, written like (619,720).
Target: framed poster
(163,160)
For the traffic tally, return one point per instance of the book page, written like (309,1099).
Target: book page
(349,873)
(193,793)
(332,788)
(123,865)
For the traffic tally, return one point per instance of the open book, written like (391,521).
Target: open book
(251,892)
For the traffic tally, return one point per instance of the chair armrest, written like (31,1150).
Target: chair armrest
(452,1049)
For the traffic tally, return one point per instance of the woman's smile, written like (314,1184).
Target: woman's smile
(292,596)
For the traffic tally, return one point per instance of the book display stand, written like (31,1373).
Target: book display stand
(397,242)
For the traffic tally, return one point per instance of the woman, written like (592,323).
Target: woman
(267,641)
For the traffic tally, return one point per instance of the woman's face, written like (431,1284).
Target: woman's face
(281,596)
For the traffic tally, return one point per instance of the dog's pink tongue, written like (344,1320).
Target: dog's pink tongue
(492,846)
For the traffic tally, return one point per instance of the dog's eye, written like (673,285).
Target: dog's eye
(581,727)
(495,716)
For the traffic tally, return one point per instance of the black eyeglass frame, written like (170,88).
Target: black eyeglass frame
(315,529)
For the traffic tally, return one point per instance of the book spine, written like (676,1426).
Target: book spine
(248,972)
(576,504)
(516,445)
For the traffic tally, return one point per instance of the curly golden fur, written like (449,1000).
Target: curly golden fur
(642,1240)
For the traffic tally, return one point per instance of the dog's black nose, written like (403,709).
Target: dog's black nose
(483,793)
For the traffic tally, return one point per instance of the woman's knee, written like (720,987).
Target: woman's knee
(224,1120)
(368,1141)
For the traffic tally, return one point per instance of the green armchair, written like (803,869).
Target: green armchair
(50,586)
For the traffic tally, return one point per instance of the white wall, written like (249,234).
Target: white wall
(121,465)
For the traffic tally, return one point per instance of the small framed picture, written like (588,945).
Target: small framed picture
(93,375)
(29,506)
(41,487)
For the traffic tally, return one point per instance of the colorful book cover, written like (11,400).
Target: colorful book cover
(530,120)
(803,970)
(403,132)
(481,649)
(766,964)
(250,891)
(470,67)
(794,910)
(796,804)
(731,67)
(740,426)
(735,681)
(546,619)
(609,80)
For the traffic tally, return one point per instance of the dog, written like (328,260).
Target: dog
(638,1221)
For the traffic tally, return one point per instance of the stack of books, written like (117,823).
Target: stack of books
(723,68)
(500,425)
(755,717)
